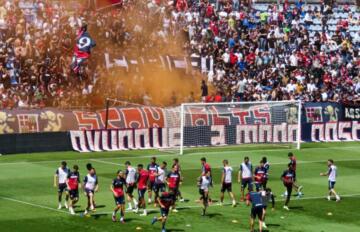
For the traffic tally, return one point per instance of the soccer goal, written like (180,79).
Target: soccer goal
(240,123)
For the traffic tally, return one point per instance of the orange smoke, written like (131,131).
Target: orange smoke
(161,84)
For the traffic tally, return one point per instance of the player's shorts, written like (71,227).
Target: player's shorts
(164,212)
(74,194)
(119,200)
(141,193)
(151,185)
(258,186)
(62,188)
(202,193)
(130,189)
(246,182)
(256,212)
(174,191)
(89,191)
(159,187)
(226,187)
(331,184)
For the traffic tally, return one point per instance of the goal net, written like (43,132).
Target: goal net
(234,124)
(194,125)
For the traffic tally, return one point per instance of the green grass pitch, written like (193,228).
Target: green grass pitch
(28,199)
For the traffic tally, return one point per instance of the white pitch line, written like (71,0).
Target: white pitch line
(218,167)
(34,205)
(106,162)
(175,155)
(151,209)
(216,205)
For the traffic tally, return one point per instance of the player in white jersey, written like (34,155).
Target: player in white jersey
(331,174)
(226,181)
(60,178)
(160,181)
(245,176)
(91,185)
(130,174)
(204,185)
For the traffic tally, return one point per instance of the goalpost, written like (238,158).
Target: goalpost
(195,125)
(238,123)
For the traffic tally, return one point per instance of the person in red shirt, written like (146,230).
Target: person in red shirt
(117,188)
(292,162)
(288,177)
(142,180)
(173,182)
(166,200)
(206,168)
(153,170)
(177,167)
(72,182)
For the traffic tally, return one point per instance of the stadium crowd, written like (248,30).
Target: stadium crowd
(277,53)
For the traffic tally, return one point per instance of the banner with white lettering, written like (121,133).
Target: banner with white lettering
(166,62)
(352,112)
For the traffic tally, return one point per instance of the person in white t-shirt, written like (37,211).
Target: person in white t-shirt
(245,176)
(331,174)
(60,179)
(130,174)
(159,186)
(226,181)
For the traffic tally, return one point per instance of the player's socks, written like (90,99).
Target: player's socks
(203,212)
(234,203)
(122,220)
(130,206)
(300,188)
(154,220)
(92,207)
(71,209)
(144,213)
(113,218)
(337,197)
(135,203)
(149,201)
(59,207)
(66,205)
(329,198)
(264,225)
(86,211)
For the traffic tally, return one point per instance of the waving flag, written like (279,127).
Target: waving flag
(82,50)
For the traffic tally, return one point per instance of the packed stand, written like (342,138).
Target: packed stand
(261,52)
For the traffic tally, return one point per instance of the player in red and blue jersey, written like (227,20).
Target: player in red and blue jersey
(293,163)
(260,175)
(288,177)
(205,169)
(73,181)
(166,200)
(153,170)
(173,182)
(117,188)
(257,209)
(142,180)
(267,167)
(177,167)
